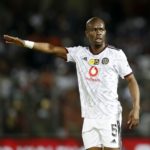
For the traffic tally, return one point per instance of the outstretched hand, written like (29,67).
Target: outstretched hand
(133,119)
(13,40)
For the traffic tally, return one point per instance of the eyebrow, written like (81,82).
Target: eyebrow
(91,27)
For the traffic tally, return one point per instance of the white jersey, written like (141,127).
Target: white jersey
(98,79)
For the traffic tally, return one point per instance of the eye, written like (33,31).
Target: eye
(101,29)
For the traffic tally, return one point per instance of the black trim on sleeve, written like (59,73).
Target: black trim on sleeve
(66,50)
(128,75)
(113,47)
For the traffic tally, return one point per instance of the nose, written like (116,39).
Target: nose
(98,31)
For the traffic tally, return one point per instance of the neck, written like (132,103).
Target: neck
(96,49)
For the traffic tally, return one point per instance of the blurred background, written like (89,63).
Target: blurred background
(38,92)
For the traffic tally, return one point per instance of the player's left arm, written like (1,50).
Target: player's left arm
(133,118)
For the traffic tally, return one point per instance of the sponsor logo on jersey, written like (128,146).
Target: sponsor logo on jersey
(105,61)
(93,61)
(93,71)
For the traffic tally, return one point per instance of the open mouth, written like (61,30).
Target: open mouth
(98,39)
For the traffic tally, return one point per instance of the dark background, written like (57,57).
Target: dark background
(38,93)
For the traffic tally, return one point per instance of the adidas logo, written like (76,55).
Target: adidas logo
(113,141)
(84,58)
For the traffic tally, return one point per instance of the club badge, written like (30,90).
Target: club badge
(105,61)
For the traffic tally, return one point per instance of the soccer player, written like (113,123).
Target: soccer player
(98,69)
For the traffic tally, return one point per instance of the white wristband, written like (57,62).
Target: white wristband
(28,44)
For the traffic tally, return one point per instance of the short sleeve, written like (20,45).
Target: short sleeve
(72,53)
(124,68)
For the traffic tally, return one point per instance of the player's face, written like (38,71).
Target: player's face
(96,33)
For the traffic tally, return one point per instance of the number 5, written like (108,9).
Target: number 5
(114,129)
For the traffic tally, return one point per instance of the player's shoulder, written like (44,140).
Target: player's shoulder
(82,47)
(79,47)
(75,49)
(116,53)
(111,47)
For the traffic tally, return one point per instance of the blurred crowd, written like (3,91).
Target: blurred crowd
(39,92)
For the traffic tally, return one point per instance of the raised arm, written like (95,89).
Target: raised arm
(133,119)
(43,47)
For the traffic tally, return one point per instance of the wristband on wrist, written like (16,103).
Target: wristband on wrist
(28,44)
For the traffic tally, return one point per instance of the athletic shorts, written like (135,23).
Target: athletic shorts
(101,132)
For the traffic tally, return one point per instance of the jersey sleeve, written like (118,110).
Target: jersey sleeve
(124,68)
(72,53)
